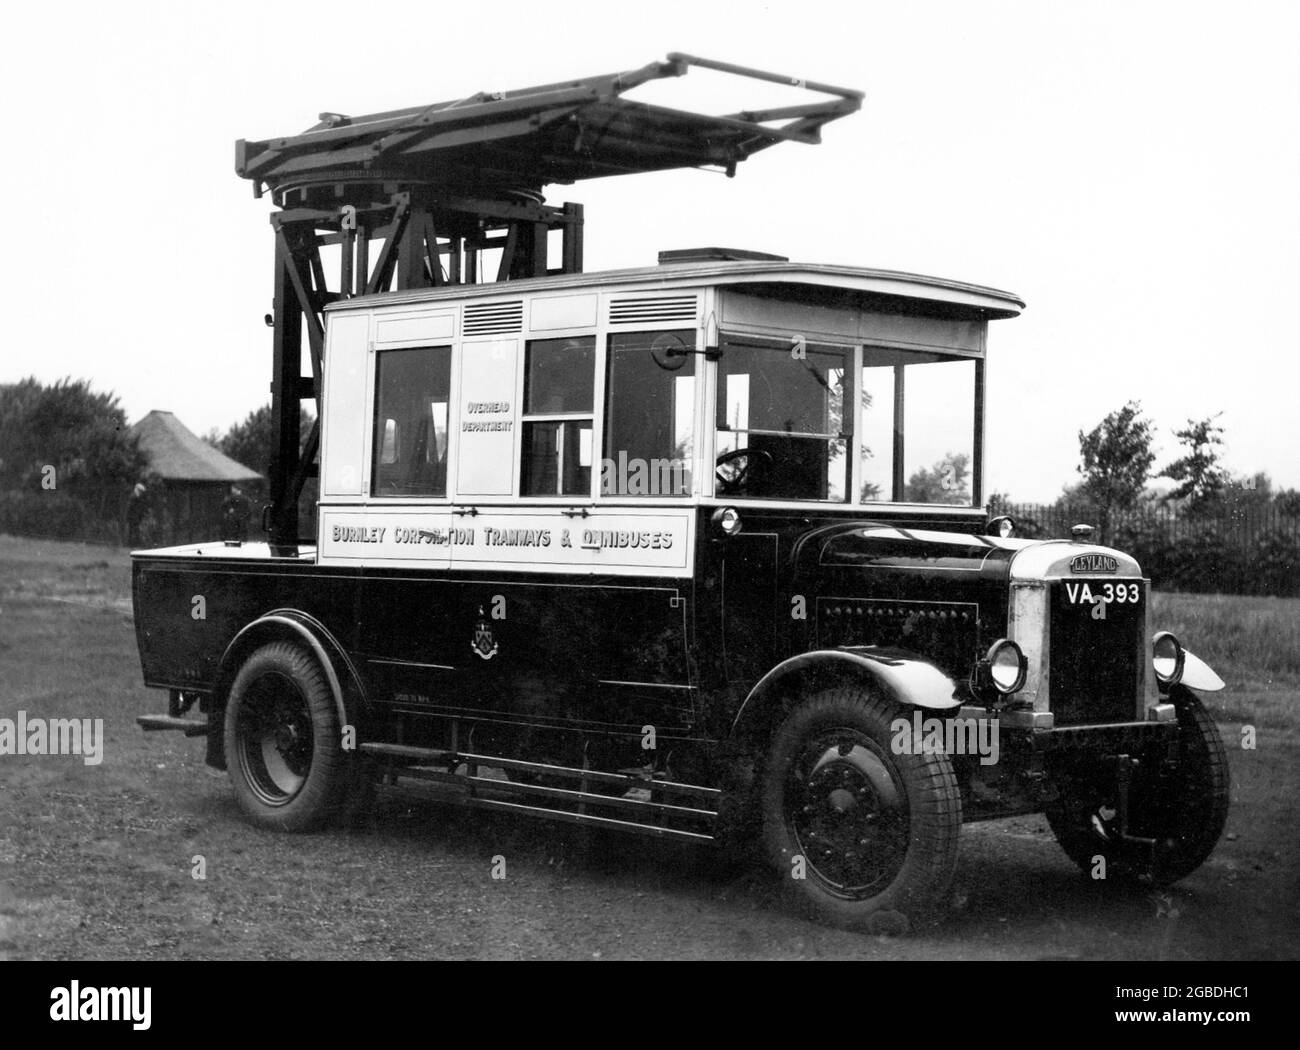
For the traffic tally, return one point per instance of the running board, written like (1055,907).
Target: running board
(693,809)
(188,726)
(571,817)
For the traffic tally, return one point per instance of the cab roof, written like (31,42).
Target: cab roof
(825,284)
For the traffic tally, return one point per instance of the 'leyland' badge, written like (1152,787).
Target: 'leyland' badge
(483,644)
(1093,563)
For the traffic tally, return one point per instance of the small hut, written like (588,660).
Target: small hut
(189,483)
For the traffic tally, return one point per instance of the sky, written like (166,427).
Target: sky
(1131,170)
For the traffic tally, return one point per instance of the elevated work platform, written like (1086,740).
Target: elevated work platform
(436,188)
(512,141)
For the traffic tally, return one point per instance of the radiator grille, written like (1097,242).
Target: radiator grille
(1094,674)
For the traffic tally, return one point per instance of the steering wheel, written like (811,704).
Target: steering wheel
(735,482)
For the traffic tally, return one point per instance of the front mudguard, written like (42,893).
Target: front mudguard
(903,677)
(1197,674)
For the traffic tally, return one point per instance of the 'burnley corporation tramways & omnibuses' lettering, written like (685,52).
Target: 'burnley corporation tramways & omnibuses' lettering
(443,537)
(359,533)
(489,536)
(434,537)
(517,537)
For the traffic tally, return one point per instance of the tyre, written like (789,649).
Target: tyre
(1183,807)
(284,742)
(859,836)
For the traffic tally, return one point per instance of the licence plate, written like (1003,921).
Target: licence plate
(1108,592)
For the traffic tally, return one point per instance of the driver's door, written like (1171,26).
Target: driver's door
(782,432)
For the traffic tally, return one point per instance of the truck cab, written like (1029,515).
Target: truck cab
(611,474)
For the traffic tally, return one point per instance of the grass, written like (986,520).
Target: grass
(96,861)
(1249,638)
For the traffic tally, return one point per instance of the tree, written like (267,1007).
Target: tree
(1288,502)
(1116,462)
(1202,478)
(69,439)
(1248,490)
(834,383)
(252,442)
(946,482)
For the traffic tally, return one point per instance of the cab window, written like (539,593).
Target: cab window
(917,427)
(649,414)
(410,435)
(782,430)
(559,377)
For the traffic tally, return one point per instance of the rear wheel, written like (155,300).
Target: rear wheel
(860,835)
(284,741)
(1183,807)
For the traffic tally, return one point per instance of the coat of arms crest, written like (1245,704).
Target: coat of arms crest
(483,644)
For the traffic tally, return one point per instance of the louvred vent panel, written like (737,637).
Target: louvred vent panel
(640,310)
(493,318)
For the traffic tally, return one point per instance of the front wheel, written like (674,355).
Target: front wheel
(1182,807)
(858,833)
(284,742)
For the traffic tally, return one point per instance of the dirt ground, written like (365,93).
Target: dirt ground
(99,861)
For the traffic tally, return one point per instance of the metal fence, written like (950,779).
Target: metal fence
(1239,524)
(1231,549)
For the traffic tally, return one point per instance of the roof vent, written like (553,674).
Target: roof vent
(692,255)
(652,309)
(494,318)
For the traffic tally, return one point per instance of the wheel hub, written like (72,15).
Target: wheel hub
(286,738)
(276,744)
(848,813)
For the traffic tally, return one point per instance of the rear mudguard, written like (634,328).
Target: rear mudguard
(346,687)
